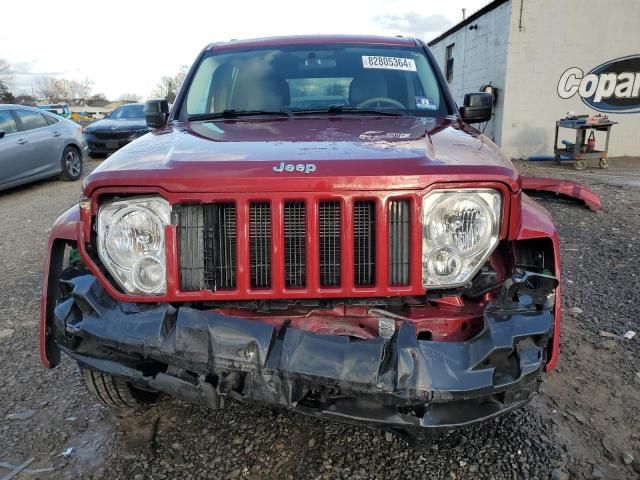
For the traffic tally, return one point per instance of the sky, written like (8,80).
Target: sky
(126,46)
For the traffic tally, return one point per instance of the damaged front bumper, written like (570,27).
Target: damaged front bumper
(403,384)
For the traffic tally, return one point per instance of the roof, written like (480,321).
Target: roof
(470,19)
(60,104)
(5,106)
(120,103)
(87,109)
(313,40)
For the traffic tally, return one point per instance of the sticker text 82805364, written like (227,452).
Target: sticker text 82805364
(389,63)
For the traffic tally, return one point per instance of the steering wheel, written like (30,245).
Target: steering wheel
(370,102)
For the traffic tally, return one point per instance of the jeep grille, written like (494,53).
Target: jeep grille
(280,238)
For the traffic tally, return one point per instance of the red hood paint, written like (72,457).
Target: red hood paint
(348,152)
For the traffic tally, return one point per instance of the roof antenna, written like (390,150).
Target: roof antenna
(464,13)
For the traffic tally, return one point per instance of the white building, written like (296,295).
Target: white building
(543,58)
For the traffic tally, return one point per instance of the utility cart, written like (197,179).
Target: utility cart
(584,147)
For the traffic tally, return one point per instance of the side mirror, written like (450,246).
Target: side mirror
(156,113)
(477,107)
(1,133)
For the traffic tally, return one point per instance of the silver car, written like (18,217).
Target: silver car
(36,144)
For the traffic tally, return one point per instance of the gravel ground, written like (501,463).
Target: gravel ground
(583,425)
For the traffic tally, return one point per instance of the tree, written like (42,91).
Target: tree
(5,69)
(25,100)
(168,87)
(130,97)
(49,89)
(5,95)
(97,100)
(182,73)
(52,89)
(84,90)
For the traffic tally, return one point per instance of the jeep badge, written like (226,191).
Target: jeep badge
(298,167)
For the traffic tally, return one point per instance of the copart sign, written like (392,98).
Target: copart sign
(613,87)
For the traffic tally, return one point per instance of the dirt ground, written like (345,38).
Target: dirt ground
(584,424)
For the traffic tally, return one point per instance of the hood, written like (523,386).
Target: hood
(306,154)
(109,125)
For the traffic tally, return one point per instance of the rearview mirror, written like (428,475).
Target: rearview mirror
(477,107)
(1,133)
(156,113)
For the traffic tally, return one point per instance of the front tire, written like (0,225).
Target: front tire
(71,164)
(115,392)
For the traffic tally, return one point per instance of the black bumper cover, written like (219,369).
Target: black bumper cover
(107,145)
(404,384)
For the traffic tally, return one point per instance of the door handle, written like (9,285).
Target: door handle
(22,141)
(56,134)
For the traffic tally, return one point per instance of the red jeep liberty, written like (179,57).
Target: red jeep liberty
(314,226)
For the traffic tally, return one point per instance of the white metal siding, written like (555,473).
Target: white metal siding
(526,62)
(555,36)
(480,57)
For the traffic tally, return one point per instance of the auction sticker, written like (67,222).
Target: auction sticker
(426,103)
(389,63)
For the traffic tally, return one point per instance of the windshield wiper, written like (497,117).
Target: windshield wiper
(237,113)
(336,109)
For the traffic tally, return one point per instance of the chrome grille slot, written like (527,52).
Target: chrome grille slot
(295,238)
(399,242)
(329,237)
(220,246)
(191,239)
(260,244)
(207,246)
(364,242)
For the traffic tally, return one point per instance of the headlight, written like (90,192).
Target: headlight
(460,230)
(131,242)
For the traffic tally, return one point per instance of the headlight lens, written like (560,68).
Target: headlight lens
(131,243)
(460,230)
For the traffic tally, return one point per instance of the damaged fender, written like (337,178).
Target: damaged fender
(64,229)
(536,223)
(567,188)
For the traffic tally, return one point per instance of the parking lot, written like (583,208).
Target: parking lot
(583,423)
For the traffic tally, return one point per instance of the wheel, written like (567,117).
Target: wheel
(579,165)
(71,164)
(115,392)
(604,162)
(95,155)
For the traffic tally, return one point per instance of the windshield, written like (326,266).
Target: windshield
(312,78)
(128,112)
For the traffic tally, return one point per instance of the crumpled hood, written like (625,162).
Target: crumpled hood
(317,153)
